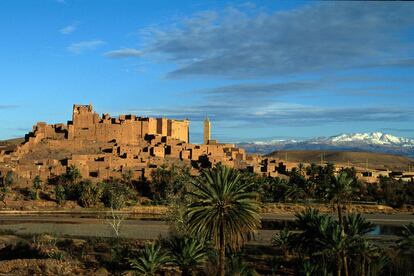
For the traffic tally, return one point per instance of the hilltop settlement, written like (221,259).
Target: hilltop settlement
(103,147)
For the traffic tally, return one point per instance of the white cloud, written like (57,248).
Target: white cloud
(316,37)
(80,47)
(124,53)
(285,114)
(68,29)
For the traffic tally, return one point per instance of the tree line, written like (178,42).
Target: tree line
(214,214)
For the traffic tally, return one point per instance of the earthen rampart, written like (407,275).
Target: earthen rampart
(103,147)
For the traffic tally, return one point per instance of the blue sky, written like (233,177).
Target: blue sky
(259,70)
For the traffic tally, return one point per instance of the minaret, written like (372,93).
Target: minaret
(207,131)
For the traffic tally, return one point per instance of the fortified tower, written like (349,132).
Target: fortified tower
(86,125)
(207,131)
(83,123)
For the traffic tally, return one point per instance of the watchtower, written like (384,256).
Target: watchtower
(207,130)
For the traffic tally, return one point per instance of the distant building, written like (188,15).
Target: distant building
(207,131)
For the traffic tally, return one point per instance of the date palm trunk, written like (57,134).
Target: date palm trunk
(341,225)
(222,250)
(363,267)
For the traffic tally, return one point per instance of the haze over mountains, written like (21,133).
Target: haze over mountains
(373,142)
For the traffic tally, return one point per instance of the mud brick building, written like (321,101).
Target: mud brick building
(103,147)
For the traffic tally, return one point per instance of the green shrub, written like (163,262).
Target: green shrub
(89,194)
(169,182)
(69,181)
(115,195)
(72,175)
(60,194)
(9,179)
(37,186)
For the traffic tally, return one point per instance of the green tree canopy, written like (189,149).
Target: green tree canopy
(149,261)
(223,209)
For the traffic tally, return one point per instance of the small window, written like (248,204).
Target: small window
(93,174)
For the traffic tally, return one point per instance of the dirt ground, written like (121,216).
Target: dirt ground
(48,255)
(39,267)
(33,206)
(291,208)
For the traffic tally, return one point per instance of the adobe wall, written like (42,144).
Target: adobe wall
(128,129)
(102,147)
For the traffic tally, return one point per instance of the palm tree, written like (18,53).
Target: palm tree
(283,239)
(236,266)
(223,210)
(321,238)
(150,260)
(312,170)
(186,253)
(407,241)
(367,252)
(328,244)
(335,244)
(355,225)
(301,169)
(294,193)
(312,224)
(309,268)
(339,193)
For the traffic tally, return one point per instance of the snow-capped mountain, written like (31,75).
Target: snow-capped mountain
(375,141)
(374,138)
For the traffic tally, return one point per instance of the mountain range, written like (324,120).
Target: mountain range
(372,142)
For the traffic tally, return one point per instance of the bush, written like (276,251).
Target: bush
(20,250)
(115,195)
(270,189)
(89,194)
(69,181)
(46,245)
(169,182)
(60,194)
(5,184)
(395,193)
(37,186)
(72,175)
(68,190)
(120,255)
(9,179)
